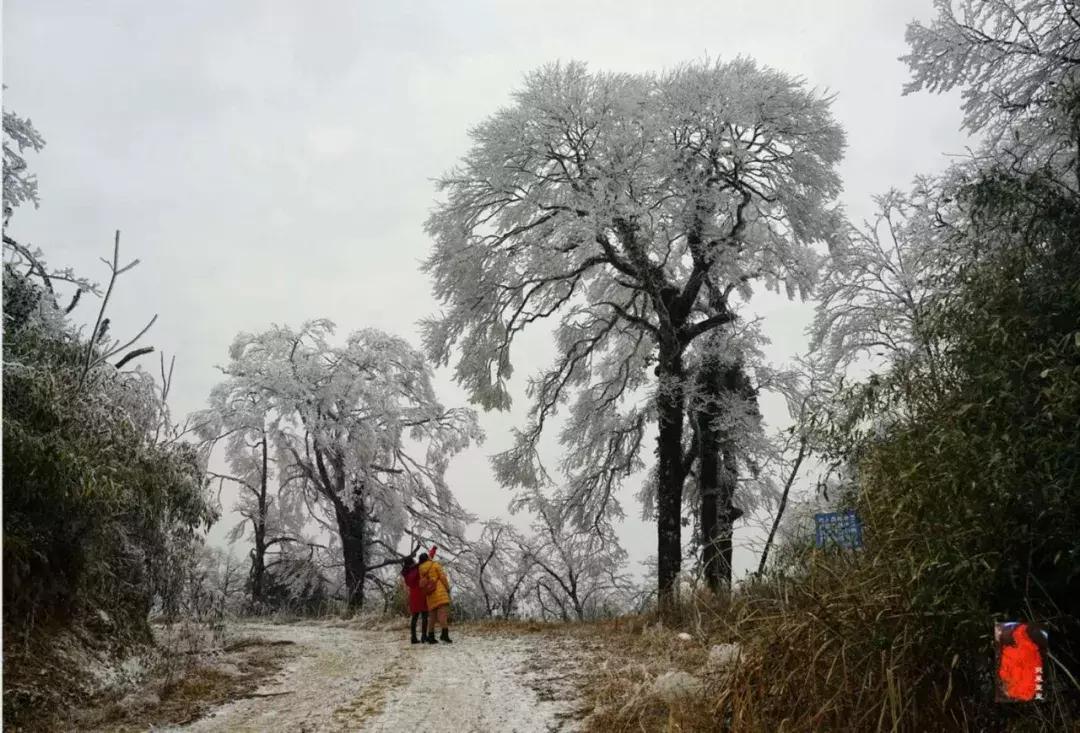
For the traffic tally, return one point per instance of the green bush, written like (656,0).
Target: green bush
(984,476)
(94,503)
(969,492)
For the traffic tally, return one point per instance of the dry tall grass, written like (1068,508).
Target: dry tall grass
(838,646)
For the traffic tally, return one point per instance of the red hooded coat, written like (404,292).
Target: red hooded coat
(417,599)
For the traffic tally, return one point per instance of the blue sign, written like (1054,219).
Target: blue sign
(842,529)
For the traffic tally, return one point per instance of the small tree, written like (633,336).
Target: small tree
(879,281)
(241,417)
(498,568)
(580,572)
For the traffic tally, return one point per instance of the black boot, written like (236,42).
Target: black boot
(445,637)
(431,638)
(422,616)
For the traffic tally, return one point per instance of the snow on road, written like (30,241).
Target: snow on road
(347,679)
(473,685)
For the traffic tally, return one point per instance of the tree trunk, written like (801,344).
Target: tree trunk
(353,552)
(803,442)
(579,608)
(727,515)
(670,407)
(737,384)
(708,384)
(258,568)
(351,521)
(718,472)
(258,556)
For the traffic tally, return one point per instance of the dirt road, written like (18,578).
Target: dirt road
(346,679)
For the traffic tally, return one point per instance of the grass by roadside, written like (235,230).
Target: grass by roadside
(176,697)
(73,681)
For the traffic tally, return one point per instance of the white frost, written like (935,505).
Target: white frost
(671,687)
(723,656)
(344,678)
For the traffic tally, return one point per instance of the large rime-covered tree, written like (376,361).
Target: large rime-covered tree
(635,209)
(361,428)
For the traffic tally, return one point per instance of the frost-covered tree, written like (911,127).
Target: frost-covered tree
(878,282)
(1018,64)
(241,418)
(495,570)
(502,567)
(20,185)
(808,388)
(723,410)
(360,429)
(211,585)
(635,209)
(581,573)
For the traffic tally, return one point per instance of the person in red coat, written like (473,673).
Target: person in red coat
(410,573)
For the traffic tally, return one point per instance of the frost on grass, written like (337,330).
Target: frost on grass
(674,687)
(723,657)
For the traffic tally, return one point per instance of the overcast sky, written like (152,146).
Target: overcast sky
(271,162)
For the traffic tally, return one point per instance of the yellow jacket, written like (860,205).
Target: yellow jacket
(431,572)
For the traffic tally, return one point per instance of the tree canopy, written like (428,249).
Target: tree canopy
(359,428)
(637,210)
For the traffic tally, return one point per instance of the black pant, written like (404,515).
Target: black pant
(423,624)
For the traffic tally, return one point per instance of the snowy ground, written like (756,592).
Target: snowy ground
(346,679)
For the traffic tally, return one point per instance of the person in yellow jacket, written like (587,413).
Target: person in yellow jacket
(437,587)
